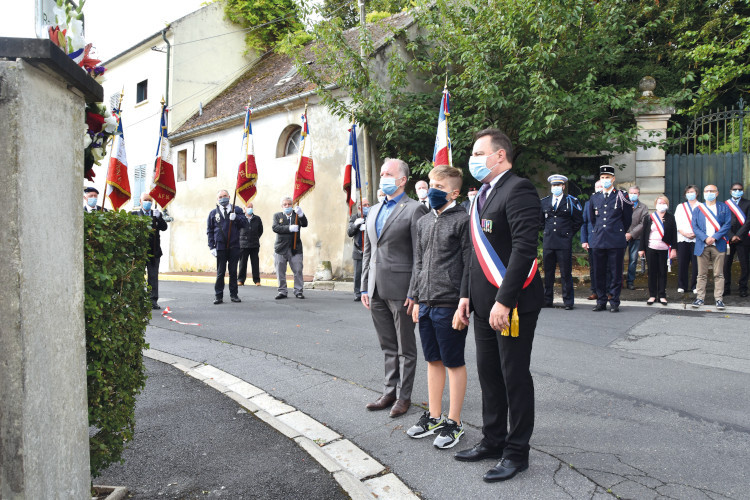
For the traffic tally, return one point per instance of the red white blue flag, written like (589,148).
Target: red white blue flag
(304,179)
(489,260)
(247,175)
(118,185)
(164,187)
(442,155)
(352,184)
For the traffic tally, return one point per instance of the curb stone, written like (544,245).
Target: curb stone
(298,426)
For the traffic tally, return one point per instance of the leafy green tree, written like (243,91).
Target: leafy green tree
(348,10)
(267,20)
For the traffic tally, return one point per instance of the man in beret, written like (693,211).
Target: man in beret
(90,198)
(561,218)
(611,214)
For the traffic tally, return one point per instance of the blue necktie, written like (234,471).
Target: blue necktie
(554,208)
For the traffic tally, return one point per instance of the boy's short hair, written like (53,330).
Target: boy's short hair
(452,174)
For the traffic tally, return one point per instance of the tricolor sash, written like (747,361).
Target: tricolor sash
(688,211)
(655,219)
(492,266)
(709,215)
(735,208)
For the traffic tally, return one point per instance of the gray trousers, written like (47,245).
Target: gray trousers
(395,331)
(152,268)
(295,262)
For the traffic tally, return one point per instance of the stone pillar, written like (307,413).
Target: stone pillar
(652,119)
(43,408)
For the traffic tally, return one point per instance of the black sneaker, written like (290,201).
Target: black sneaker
(235,299)
(218,300)
(426,426)
(720,305)
(449,435)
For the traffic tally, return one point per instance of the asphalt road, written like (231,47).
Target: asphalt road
(193,442)
(623,406)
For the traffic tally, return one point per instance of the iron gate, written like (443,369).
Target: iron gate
(713,150)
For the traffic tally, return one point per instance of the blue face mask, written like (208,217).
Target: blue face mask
(146,206)
(690,196)
(288,210)
(224,201)
(607,183)
(91,201)
(709,196)
(437,198)
(365,211)
(633,197)
(478,167)
(249,211)
(557,190)
(737,194)
(388,185)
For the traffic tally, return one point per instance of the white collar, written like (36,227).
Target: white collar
(606,192)
(453,204)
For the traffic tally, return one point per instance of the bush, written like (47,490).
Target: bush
(117,309)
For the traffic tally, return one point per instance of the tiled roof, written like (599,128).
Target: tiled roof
(260,81)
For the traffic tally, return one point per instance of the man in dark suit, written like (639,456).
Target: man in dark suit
(387,284)
(504,281)
(90,197)
(356,231)
(739,241)
(250,245)
(154,244)
(288,246)
(223,230)
(611,214)
(586,229)
(562,217)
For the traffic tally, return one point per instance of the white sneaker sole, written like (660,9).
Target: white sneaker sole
(428,433)
(450,445)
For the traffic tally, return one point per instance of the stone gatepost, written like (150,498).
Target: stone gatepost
(652,119)
(44,447)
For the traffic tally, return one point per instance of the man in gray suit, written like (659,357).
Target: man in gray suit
(387,284)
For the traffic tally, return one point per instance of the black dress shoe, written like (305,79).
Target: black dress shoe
(299,296)
(614,309)
(357,299)
(743,294)
(569,307)
(155,306)
(478,452)
(218,300)
(549,304)
(599,307)
(235,299)
(505,469)
(630,286)
(280,296)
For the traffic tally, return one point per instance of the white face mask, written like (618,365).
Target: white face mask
(422,193)
(661,207)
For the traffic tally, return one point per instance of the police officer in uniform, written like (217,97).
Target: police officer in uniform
(610,213)
(562,217)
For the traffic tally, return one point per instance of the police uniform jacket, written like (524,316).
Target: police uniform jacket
(218,228)
(250,234)
(562,224)
(356,235)
(154,238)
(284,237)
(741,230)
(611,217)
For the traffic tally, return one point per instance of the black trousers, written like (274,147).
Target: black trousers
(152,268)
(592,270)
(507,386)
(608,263)
(743,255)
(563,258)
(224,257)
(357,277)
(656,260)
(252,253)
(686,256)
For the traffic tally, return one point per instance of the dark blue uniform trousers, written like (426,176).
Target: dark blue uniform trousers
(608,263)
(564,259)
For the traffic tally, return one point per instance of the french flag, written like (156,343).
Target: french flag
(118,185)
(442,154)
(352,184)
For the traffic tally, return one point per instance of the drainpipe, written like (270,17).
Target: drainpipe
(169,53)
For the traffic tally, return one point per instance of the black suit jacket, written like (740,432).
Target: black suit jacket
(670,231)
(154,238)
(737,229)
(513,207)
(284,237)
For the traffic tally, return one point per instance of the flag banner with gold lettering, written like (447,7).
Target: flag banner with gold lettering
(247,175)
(118,185)
(304,179)
(163,189)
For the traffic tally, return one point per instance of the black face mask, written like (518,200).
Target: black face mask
(437,198)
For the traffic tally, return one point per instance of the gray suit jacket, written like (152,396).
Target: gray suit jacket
(388,261)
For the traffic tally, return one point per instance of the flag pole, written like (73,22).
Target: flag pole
(360,211)
(234,201)
(112,147)
(299,163)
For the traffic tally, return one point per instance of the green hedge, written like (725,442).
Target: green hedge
(117,310)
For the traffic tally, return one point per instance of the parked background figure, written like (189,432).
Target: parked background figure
(250,245)
(640,212)
(356,231)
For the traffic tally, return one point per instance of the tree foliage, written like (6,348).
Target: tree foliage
(267,21)
(348,10)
